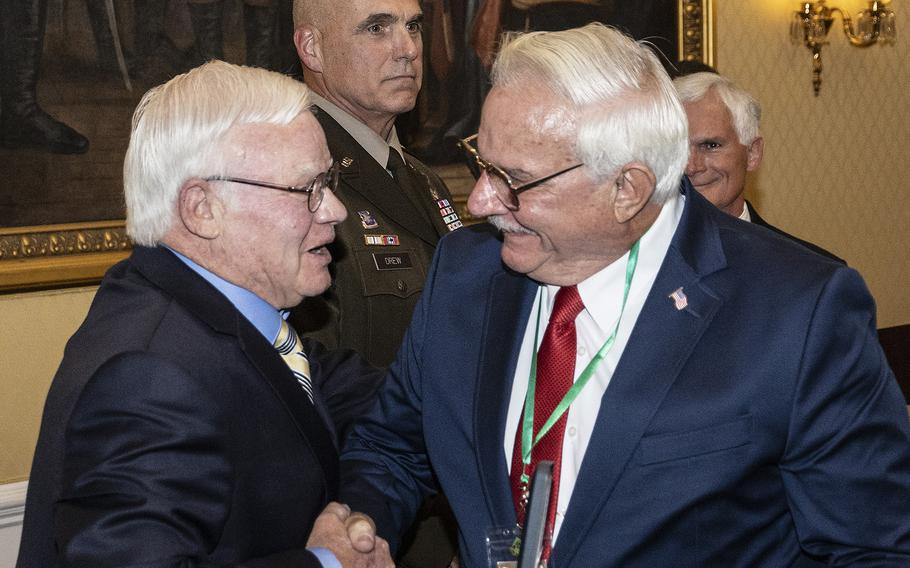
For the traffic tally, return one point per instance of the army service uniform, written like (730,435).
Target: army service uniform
(381,251)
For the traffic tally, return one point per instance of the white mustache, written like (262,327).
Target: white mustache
(507,226)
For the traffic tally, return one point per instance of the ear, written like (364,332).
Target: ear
(308,41)
(634,187)
(201,210)
(756,149)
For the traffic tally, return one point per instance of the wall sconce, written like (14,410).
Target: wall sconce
(810,25)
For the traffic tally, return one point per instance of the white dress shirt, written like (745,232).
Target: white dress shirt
(602,297)
(745,216)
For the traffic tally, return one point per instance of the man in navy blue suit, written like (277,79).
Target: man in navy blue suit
(175,433)
(711,394)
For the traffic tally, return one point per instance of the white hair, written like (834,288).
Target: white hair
(744,109)
(178,129)
(625,103)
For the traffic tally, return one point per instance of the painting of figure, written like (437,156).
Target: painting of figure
(73,72)
(460,39)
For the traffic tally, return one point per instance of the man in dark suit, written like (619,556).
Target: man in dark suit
(710,394)
(365,64)
(725,144)
(175,432)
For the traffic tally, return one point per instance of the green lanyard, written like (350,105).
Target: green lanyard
(527,426)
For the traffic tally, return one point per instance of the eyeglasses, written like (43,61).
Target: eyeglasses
(502,182)
(315,190)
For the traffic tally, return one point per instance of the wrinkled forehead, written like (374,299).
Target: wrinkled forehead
(358,11)
(300,142)
(711,103)
(708,113)
(526,112)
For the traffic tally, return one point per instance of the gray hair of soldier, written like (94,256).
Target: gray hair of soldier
(178,130)
(744,109)
(625,103)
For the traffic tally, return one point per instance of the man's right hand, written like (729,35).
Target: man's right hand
(351,537)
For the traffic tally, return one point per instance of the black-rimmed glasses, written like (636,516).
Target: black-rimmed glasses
(502,182)
(315,190)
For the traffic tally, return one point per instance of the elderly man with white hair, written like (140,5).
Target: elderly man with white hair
(188,424)
(725,144)
(709,394)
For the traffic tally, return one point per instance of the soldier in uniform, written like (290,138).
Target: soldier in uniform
(364,65)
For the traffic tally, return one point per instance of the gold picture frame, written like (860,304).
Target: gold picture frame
(73,254)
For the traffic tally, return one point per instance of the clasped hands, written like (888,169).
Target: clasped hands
(351,537)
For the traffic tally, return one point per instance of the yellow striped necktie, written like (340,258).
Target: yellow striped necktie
(290,348)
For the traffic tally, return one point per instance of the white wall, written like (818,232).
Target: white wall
(12,503)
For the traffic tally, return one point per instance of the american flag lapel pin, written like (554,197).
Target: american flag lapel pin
(679,298)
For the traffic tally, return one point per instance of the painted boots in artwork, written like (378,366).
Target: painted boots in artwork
(23,123)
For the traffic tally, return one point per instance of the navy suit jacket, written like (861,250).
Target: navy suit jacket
(175,435)
(759,426)
(757,219)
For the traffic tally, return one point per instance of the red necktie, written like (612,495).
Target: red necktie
(555,376)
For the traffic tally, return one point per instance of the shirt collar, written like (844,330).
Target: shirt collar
(601,293)
(374,145)
(264,317)
(745,216)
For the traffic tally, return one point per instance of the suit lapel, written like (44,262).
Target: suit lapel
(661,342)
(199,297)
(310,422)
(361,174)
(507,310)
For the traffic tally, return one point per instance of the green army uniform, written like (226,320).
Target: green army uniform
(380,259)
(381,251)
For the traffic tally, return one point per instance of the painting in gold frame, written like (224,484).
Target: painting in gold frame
(79,252)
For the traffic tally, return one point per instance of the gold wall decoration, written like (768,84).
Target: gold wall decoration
(51,256)
(696,31)
(812,22)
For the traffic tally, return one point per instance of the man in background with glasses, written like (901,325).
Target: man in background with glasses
(709,394)
(188,424)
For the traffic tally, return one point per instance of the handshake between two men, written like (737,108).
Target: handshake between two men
(351,537)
